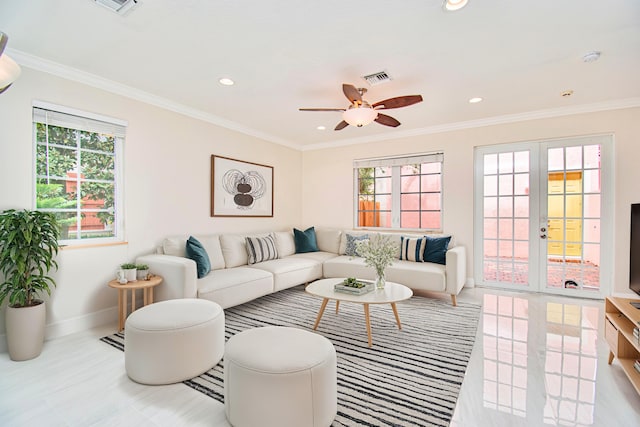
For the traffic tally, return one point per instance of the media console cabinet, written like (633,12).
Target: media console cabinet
(620,319)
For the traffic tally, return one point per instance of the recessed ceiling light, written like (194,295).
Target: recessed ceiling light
(452,5)
(321,128)
(226,81)
(475,100)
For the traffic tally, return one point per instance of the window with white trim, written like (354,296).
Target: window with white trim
(399,192)
(78,159)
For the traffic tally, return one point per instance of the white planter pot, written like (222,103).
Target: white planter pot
(142,274)
(25,331)
(130,274)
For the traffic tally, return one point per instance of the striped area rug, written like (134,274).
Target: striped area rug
(410,377)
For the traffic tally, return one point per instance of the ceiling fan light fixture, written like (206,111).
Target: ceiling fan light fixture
(359,116)
(453,5)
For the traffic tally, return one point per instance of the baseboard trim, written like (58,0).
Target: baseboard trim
(72,325)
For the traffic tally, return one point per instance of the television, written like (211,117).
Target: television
(634,252)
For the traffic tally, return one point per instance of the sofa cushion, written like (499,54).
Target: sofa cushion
(328,239)
(175,246)
(234,250)
(196,252)
(319,256)
(260,249)
(351,249)
(305,240)
(211,244)
(284,243)
(411,248)
(233,286)
(347,266)
(291,271)
(418,275)
(436,249)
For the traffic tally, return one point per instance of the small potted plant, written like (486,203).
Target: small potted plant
(129,271)
(142,271)
(28,246)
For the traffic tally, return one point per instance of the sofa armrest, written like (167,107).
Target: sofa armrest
(456,268)
(179,274)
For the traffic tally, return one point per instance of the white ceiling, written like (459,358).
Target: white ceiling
(519,55)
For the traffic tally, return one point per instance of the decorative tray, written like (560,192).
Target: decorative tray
(354,287)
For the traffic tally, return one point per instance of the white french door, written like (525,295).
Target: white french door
(541,211)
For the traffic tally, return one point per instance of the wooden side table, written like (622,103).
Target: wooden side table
(147,295)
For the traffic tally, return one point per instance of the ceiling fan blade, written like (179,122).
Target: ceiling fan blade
(341,125)
(383,119)
(397,102)
(351,93)
(321,109)
(3,41)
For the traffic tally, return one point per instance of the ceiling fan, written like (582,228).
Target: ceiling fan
(361,113)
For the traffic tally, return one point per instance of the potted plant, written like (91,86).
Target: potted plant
(378,252)
(28,245)
(129,271)
(142,271)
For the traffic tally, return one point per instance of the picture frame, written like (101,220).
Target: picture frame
(240,188)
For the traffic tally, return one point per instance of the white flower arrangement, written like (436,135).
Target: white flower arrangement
(378,252)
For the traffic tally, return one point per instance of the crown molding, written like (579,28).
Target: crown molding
(489,121)
(70,73)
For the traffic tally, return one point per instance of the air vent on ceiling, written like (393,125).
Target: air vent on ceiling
(377,78)
(119,6)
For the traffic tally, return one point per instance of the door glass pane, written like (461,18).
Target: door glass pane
(490,164)
(506,185)
(500,224)
(505,227)
(592,156)
(505,163)
(591,181)
(490,185)
(490,228)
(555,159)
(573,218)
(574,158)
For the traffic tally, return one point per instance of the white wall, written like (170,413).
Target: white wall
(328,174)
(166,189)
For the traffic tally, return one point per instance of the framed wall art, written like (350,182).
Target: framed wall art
(241,188)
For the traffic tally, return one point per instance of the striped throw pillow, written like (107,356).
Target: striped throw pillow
(261,249)
(411,248)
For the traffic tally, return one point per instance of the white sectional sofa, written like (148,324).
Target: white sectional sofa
(233,281)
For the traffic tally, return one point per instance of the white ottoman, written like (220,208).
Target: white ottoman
(172,341)
(280,377)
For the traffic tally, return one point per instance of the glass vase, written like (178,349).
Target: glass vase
(380,280)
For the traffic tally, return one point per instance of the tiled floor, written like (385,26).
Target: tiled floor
(538,361)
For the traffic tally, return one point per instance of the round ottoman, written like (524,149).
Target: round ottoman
(171,341)
(280,377)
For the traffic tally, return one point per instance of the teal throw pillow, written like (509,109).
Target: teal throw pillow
(196,252)
(351,249)
(436,249)
(305,240)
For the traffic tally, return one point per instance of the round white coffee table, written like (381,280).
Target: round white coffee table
(392,293)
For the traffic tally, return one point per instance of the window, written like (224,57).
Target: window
(399,192)
(78,178)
